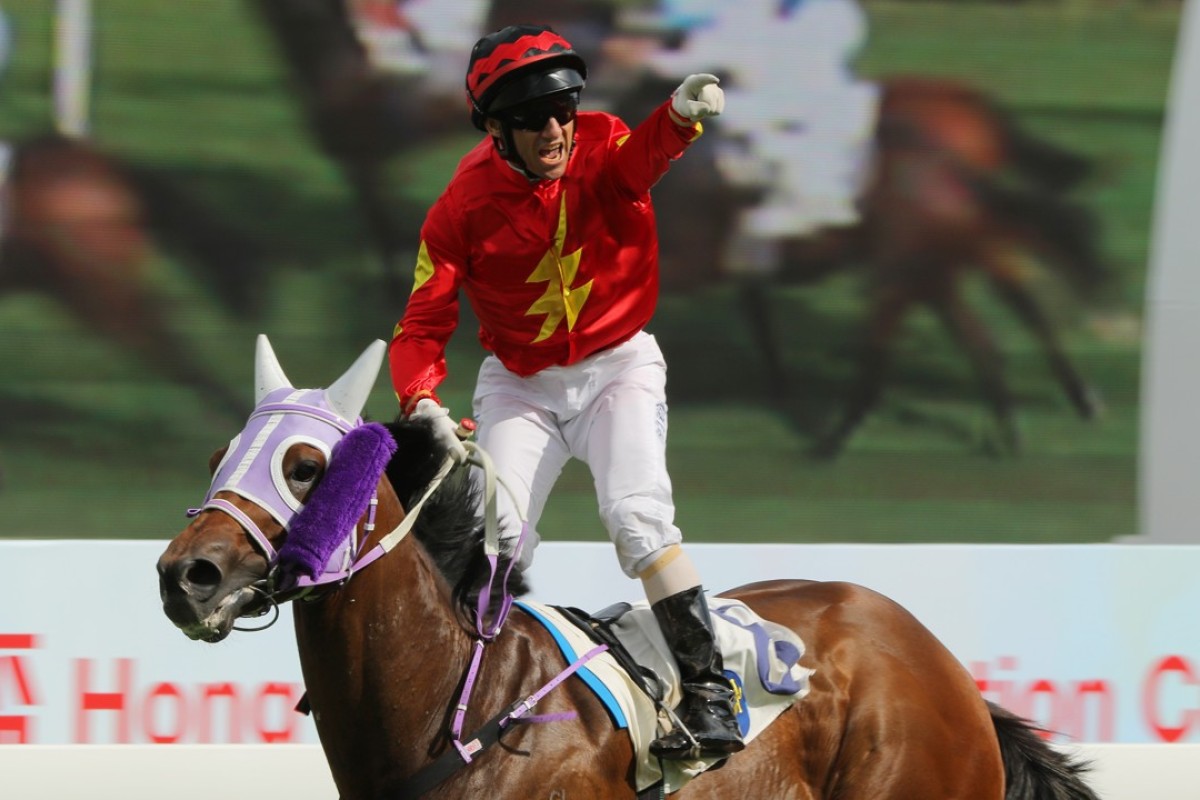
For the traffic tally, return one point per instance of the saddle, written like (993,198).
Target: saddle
(638,682)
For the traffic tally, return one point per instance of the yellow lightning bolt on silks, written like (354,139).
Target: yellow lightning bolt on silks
(561,299)
(424,270)
(423,273)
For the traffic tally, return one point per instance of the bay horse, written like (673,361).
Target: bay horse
(82,225)
(359,115)
(956,188)
(960,189)
(387,647)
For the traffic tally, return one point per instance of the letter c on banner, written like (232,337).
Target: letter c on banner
(1153,688)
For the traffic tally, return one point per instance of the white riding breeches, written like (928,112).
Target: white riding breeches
(610,412)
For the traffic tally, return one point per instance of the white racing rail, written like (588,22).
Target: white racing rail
(298,772)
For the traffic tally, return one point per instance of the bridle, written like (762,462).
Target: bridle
(252,469)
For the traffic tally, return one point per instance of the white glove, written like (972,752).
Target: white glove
(445,430)
(698,97)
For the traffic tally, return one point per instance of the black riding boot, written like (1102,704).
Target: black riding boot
(706,709)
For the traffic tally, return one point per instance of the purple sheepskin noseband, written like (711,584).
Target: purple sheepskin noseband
(328,518)
(320,542)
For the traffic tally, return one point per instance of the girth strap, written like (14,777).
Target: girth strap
(455,758)
(449,762)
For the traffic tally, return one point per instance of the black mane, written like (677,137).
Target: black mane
(449,525)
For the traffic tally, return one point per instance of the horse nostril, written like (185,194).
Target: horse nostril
(196,577)
(202,573)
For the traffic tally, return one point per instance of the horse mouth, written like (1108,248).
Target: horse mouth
(215,625)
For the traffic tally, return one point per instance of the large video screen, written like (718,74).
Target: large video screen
(903,275)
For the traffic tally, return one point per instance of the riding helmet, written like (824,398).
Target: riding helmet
(517,64)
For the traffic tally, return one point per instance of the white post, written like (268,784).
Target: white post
(72,66)
(5,41)
(1170,427)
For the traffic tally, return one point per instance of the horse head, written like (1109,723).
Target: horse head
(233,559)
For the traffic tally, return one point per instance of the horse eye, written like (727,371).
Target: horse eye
(305,472)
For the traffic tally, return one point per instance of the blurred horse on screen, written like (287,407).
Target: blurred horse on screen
(956,189)
(82,227)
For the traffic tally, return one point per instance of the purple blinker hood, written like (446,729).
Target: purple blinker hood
(328,420)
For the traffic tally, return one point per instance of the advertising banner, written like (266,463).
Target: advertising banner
(1097,643)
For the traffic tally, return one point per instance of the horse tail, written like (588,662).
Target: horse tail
(1046,164)
(1063,230)
(1033,770)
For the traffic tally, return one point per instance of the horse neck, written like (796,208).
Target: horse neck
(388,641)
(402,592)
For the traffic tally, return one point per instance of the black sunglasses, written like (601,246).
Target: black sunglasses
(534,116)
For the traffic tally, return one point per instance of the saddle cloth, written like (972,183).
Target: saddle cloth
(760,657)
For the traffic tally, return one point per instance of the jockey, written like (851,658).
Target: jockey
(424,38)
(806,118)
(548,228)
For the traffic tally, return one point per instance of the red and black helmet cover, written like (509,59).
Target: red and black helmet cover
(517,64)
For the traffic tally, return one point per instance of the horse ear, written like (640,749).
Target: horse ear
(214,460)
(268,375)
(348,394)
